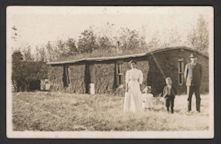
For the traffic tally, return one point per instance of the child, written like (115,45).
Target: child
(169,94)
(147,98)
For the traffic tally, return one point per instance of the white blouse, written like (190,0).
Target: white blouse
(134,75)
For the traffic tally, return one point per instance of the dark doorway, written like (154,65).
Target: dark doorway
(89,76)
(66,79)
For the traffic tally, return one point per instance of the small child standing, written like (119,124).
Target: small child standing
(147,98)
(169,94)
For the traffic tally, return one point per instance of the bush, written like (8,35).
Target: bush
(27,74)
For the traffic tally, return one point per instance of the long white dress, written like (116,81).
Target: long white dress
(132,100)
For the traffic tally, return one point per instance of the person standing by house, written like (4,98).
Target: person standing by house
(193,76)
(169,93)
(133,80)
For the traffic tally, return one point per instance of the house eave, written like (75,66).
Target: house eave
(97,59)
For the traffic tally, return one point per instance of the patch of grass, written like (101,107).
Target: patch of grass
(50,111)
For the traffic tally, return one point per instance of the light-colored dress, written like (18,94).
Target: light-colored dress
(133,100)
(147,100)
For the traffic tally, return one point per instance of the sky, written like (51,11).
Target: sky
(36,25)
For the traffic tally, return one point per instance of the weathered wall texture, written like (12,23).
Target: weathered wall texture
(155,68)
(168,62)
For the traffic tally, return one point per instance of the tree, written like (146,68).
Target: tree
(154,43)
(25,72)
(14,38)
(173,39)
(27,54)
(87,41)
(41,54)
(105,43)
(71,47)
(17,59)
(14,33)
(131,40)
(61,48)
(199,37)
(52,53)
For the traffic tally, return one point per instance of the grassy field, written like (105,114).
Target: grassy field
(49,111)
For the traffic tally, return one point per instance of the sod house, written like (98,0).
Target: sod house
(107,74)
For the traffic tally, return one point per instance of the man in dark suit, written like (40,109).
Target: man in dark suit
(193,76)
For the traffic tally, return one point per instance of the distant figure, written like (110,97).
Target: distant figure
(169,94)
(147,98)
(193,76)
(134,78)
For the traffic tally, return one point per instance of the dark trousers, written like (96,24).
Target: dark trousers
(190,91)
(170,103)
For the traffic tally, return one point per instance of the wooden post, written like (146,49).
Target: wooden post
(119,74)
(116,74)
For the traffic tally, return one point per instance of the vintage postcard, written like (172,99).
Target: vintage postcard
(110,72)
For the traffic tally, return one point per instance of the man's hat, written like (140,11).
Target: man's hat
(192,55)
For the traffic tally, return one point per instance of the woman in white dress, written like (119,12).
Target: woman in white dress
(134,78)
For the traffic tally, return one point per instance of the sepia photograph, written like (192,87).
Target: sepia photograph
(110,72)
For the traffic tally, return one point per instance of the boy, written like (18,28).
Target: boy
(147,98)
(169,94)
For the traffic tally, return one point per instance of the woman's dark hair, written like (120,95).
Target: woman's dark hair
(133,62)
